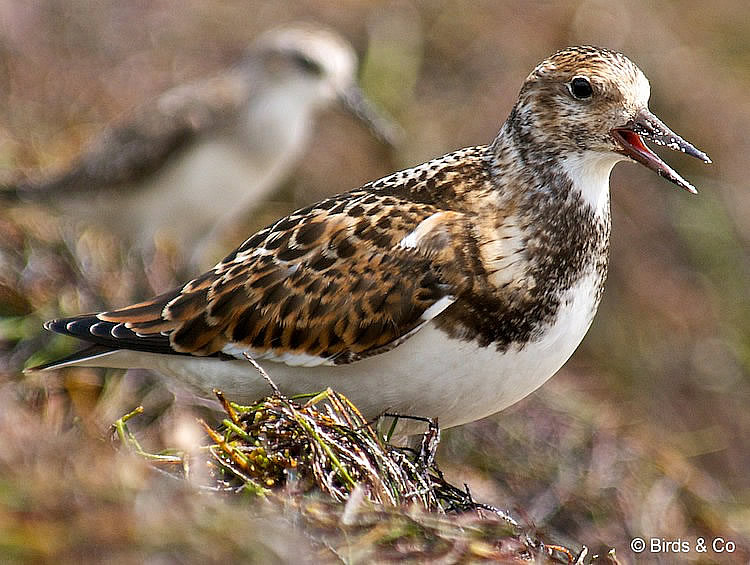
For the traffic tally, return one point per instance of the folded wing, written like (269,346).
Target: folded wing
(345,279)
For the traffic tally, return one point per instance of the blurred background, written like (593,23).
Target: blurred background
(645,432)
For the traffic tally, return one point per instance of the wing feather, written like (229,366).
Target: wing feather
(339,296)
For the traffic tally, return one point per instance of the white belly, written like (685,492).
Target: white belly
(429,375)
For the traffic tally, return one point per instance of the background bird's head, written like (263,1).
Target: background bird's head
(314,60)
(314,64)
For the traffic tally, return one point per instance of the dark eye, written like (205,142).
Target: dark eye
(306,64)
(580,88)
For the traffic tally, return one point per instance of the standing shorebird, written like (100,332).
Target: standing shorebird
(449,290)
(201,154)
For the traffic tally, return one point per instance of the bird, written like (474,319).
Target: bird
(201,154)
(449,290)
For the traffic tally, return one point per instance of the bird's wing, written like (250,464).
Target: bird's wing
(348,278)
(140,145)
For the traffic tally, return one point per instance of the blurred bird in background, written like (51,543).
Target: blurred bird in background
(201,155)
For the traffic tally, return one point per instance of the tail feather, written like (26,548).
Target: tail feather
(113,335)
(90,352)
(103,338)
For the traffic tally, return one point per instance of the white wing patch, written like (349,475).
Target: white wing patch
(410,241)
(431,234)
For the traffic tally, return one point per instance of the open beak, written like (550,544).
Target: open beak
(646,125)
(382,126)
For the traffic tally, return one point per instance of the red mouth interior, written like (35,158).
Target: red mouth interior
(634,141)
(633,146)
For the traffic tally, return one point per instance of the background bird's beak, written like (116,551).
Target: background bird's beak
(653,129)
(381,125)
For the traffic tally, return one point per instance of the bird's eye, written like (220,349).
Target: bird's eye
(580,88)
(307,64)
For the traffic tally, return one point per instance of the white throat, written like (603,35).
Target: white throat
(589,172)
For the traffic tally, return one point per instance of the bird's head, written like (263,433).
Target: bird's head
(320,66)
(592,103)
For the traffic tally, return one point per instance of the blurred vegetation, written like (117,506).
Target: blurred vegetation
(645,432)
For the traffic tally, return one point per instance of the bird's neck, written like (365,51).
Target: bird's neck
(562,198)
(548,171)
(277,121)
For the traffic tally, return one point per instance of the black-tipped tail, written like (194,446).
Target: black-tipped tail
(114,335)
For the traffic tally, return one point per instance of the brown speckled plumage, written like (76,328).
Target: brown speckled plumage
(500,249)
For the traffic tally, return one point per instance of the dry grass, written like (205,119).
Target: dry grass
(278,479)
(355,496)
